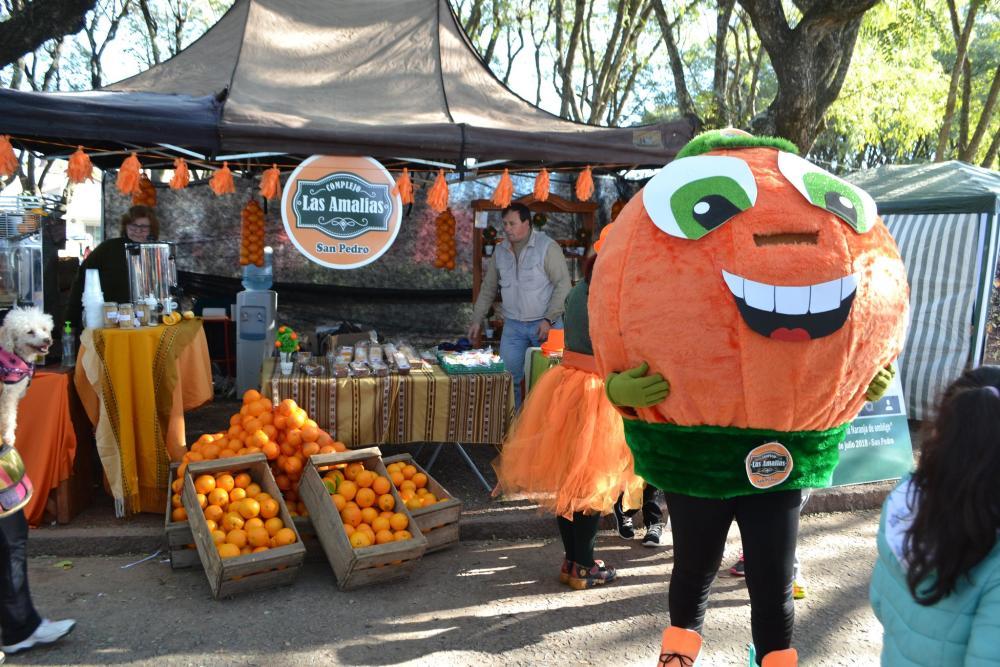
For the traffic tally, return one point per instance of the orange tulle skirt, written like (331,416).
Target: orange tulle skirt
(567,448)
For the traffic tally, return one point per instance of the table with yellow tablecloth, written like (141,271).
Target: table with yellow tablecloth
(426,405)
(135,385)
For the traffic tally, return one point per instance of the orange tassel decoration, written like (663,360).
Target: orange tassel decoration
(504,192)
(585,185)
(80,168)
(542,185)
(222,181)
(404,187)
(8,161)
(146,194)
(128,175)
(437,197)
(270,183)
(181,175)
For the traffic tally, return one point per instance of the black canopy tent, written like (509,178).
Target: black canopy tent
(396,80)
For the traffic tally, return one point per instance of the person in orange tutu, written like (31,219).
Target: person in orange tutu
(568,446)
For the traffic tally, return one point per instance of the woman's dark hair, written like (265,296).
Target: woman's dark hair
(523,211)
(137,212)
(588,266)
(957,484)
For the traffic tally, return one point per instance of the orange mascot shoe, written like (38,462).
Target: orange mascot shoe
(786,658)
(680,647)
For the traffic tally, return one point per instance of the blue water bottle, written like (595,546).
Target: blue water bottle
(257,278)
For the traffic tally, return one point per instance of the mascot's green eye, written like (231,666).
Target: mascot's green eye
(690,197)
(824,190)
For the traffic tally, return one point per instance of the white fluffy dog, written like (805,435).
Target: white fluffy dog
(26,333)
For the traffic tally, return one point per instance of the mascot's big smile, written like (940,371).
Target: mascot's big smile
(793,313)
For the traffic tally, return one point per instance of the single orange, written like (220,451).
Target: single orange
(359,539)
(310,448)
(179,514)
(251,395)
(351,515)
(237,537)
(227,550)
(273,525)
(293,437)
(408,485)
(253,522)
(383,536)
(178,484)
(259,549)
(401,535)
(212,526)
(225,481)
(271,450)
(348,529)
(348,489)
(386,502)
(236,419)
(219,497)
(381,485)
(397,478)
(409,471)
(399,521)
(202,500)
(214,513)
(352,471)
(237,494)
(232,521)
(268,507)
(258,537)
(364,498)
(368,514)
(175,500)
(249,508)
(381,523)
(338,501)
(284,536)
(420,479)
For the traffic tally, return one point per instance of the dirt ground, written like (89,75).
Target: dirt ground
(477,604)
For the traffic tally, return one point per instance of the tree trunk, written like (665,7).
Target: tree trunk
(719,114)
(566,87)
(989,107)
(685,105)
(810,62)
(475,18)
(961,49)
(151,30)
(991,152)
(38,22)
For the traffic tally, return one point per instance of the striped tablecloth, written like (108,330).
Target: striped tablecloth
(425,406)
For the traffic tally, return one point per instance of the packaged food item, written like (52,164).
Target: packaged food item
(360,369)
(345,354)
(401,363)
(361,352)
(428,357)
(126,316)
(110,311)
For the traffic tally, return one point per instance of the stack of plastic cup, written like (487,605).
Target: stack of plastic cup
(93,300)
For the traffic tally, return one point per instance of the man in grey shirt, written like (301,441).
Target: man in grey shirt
(529,271)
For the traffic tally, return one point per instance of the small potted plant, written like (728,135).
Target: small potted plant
(286,342)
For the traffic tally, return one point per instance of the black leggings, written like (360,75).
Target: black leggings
(578,537)
(769,525)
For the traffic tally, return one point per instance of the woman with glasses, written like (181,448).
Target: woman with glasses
(138,225)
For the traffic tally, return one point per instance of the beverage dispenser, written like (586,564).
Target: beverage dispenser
(152,270)
(256,308)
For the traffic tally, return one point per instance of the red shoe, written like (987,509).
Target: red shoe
(789,657)
(680,647)
(597,575)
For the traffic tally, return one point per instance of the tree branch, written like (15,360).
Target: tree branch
(38,22)
(685,105)
(989,107)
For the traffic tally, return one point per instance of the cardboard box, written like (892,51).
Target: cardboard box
(330,342)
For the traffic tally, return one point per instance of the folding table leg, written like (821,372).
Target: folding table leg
(434,455)
(472,465)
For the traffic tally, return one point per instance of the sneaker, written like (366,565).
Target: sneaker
(623,522)
(798,589)
(564,571)
(788,657)
(46,633)
(653,536)
(596,575)
(679,648)
(739,567)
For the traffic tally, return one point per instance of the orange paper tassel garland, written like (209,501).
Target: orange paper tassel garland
(270,183)
(504,192)
(222,181)
(8,162)
(404,187)
(80,168)
(128,175)
(437,197)
(542,186)
(181,175)
(585,185)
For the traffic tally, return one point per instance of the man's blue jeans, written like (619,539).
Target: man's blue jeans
(517,337)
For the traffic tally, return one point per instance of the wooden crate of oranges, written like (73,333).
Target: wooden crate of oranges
(436,512)
(366,531)
(180,540)
(245,536)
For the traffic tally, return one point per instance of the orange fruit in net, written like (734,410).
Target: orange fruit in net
(310,448)
(287,406)
(251,395)
(271,450)
(399,521)
(364,498)
(255,408)
(284,536)
(297,419)
(310,433)
(293,466)
(386,502)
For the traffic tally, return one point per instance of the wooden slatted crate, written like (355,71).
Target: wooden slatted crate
(180,540)
(251,572)
(368,565)
(439,522)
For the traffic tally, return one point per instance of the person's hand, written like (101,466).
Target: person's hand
(475,329)
(543,331)
(634,389)
(880,383)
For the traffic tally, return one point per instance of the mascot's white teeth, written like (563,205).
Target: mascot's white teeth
(818,298)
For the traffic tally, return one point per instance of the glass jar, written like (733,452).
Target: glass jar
(110,311)
(126,316)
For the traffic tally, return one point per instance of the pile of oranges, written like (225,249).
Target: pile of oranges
(445,230)
(252,234)
(145,194)
(365,502)
(284,434)
(241,518)
(412,485)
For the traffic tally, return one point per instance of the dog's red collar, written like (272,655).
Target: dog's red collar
(13,368)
